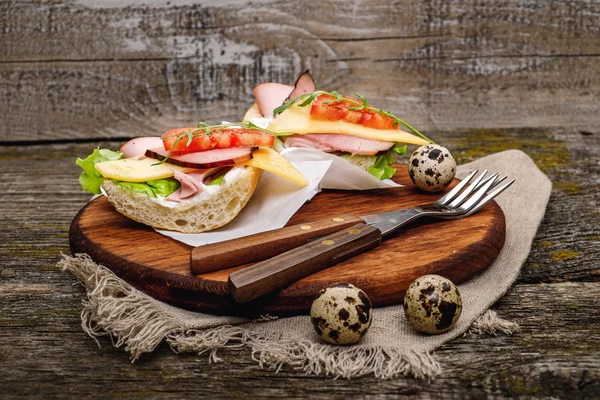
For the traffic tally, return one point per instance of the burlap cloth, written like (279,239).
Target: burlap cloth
(140,323)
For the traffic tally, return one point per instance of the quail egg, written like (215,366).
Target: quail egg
(341,314)
(432,304)
(431,167)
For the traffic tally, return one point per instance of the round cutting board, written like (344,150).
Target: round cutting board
(160,266)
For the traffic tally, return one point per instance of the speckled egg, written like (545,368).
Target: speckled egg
(431,168)
(341,314)
(432,304)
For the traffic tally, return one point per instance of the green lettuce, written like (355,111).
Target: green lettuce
(381,168)
(218,180)
(158,187)
(90,179)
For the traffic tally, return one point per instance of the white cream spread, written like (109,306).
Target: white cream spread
(209,192)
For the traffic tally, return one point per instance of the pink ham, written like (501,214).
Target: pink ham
(307,143)
(191,184)
(203,159)
(332,142)
(138,146)
(270,95)
(304,84)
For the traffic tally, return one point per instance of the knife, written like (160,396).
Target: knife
(249,283)
(260,246)
(256,280)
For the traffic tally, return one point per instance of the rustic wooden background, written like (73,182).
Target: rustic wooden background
(478,76)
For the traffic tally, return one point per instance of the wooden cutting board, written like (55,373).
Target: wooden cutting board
(160,266)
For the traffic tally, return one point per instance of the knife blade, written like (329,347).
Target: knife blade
(264,245)
(276,272)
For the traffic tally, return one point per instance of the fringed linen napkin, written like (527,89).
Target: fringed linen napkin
(392,347)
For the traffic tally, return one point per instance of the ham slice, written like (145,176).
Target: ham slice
(203,159)
(191,184)
(304,84)
(270,95)
(332,142)
(139,145)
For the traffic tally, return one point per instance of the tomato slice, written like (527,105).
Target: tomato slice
(375,120)
(218,138)
(324,107)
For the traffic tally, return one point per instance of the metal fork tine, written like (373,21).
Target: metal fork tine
(448,197)
(489,197)
(486,180)
(467,192)
(473,200)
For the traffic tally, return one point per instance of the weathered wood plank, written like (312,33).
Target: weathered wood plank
(45,354)
(121,71)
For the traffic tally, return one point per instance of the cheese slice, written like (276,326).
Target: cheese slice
(297,119)
(147,169)
(269,160)
(134,170)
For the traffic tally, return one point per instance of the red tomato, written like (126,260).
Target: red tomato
(323,108)
(218,138)
(375,120)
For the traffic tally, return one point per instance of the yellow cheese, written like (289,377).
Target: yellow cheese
(269,160)
(143,170)
(297,119)
(132,170)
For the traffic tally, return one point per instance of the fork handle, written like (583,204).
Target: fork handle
(259,279)
(222,255)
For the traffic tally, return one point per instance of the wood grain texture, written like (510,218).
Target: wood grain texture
(160,266)
(137,68)
(278,272)
(45,354)
(76,71)
(260,246)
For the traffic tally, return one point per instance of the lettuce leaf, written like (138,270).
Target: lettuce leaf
(90,179)
(158,187)
(381,168)
(218,180)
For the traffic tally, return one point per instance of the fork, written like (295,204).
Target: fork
(276,272)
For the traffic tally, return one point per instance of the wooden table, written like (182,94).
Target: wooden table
(479,77)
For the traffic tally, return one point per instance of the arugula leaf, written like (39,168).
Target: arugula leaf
(90,179)
(359,105)
(155,188)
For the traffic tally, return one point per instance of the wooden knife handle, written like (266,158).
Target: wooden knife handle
(222,255)
(250,283)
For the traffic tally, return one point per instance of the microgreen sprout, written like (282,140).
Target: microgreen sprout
(357,105)
(205,129)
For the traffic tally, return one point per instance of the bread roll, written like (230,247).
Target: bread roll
(203,213)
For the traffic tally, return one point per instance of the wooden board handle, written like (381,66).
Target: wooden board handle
(222,255)
(259,279)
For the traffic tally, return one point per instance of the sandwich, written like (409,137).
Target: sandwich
(189,180)
(349,127)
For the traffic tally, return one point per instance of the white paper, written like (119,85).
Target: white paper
(341,174)
(276,199)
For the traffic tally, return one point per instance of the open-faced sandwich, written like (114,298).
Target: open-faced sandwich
(189,180)
(327,121)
